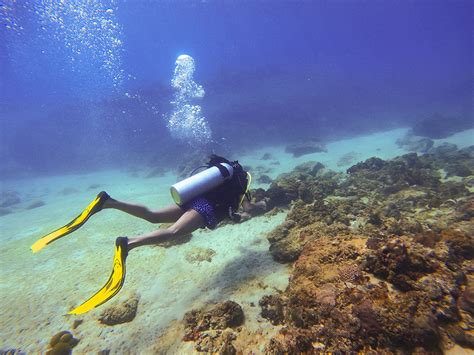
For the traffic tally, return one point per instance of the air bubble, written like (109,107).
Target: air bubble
(186,121)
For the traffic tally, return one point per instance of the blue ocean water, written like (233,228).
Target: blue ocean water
(87,84)
(127,96)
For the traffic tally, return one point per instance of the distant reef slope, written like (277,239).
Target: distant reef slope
(439,126)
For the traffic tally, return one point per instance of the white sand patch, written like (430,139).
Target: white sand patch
(38,290)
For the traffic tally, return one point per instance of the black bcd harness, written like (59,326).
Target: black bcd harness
(232,189)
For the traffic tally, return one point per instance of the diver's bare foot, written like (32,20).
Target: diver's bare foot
(109,202)
(124,244)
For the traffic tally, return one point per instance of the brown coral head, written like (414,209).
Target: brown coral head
(350,273)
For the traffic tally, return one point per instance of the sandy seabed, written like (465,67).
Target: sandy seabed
(37,290)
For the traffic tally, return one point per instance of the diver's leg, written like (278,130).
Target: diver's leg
(186,224)
(168,214)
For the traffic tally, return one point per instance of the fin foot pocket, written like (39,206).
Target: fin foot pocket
(113,284)
(95,206)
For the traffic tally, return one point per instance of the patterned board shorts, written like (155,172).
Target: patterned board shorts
(205,209)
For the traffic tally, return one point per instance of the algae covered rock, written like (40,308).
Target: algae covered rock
(466,301)
(292,341)
(12,351)
(216,342)
(9,199)
(224,315)
(197,255)
(35,204)
(307,182)
(264,179)
(68,191)
(4,211)
(347,159)
(62,343)
(414,143)
(438,126)
(399,265)
(266,156)
(299,149)
(272,308)
(122,312)
(401,221)
(311,167)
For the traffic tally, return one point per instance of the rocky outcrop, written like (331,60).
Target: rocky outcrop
(414,143)
(272,308)
(299,149)
(382,256)
(224,315)
(62,343)
(398,265)
(212,329)
(440,126)
(198,255)
(120,312)
(9,199)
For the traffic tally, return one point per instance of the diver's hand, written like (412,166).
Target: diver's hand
(245,217)
(236,217)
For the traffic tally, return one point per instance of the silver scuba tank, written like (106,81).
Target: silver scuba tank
(185,190)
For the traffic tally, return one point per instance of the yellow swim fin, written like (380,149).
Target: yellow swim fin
(115,282)
(94,206)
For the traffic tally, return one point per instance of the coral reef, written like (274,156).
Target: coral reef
(382,255)
(299,149)
(120,313)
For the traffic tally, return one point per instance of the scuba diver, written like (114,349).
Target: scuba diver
(202,200)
